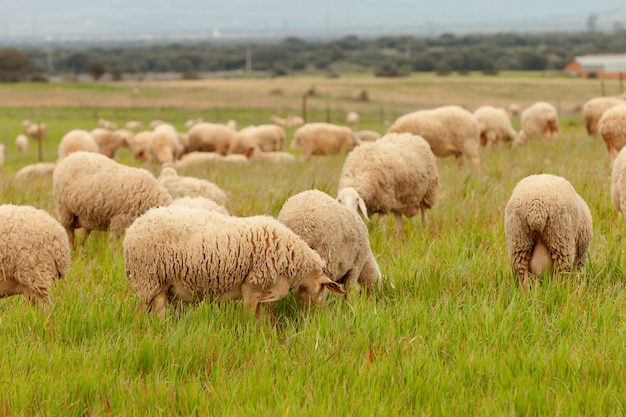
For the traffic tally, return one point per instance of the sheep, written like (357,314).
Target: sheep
(396,174)
(618,182)
(35,131)
(37,170)
(612,128)
(134,125)
(197,159)
(189,123)
(268,138)
(107,124)
(337,234)
(513,110)
(199,203)
(276,157)
(210,137)
(179,186)
(182,255)
(164,146)
(594,108)
(21,143)
(97,193)
(232,123)
(155,123)
(449,130)
(140,145)
(495,126)
(109,141)
(76,140)
(323,139)
(352,119)
(34,251)
(546,224)
(368,135)
(540,120)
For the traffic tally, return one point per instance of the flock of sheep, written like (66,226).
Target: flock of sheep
(181,245)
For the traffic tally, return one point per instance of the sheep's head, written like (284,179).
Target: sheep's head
(313,290)
(168,170)
(350,198)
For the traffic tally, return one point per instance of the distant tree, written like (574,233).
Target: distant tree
(77,62)
(532,61)
(97,69)
(13,65)
(116,74)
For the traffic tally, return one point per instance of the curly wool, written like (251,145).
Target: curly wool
(76,140)
(210,137)
(594,108)
(546,208)
(34,251)
(618,182)
(612,128)
(267,138)
(181,186)
(540,120)
(495,125)
(323,139)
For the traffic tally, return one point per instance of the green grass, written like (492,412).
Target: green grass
(451,333)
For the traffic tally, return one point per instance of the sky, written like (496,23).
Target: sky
(78,18)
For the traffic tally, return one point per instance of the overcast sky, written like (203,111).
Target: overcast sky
(19,18)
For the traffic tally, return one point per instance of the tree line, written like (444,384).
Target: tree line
(385,56)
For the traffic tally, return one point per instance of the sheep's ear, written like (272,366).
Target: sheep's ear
(331,285)
(361,204)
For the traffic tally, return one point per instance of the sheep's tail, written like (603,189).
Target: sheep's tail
(537,215)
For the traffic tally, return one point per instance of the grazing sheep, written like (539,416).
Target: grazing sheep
(134,125)
(182,255)
(449,130)
(189,123)
(396,174)
(21,143)
(37,170)
(513,110)
(495,126)
(96,193)
(109,141)
(77,140)
(368,135)
(179,186)
(210,137)
(352,119)
(612,128)
(540,120)
(337,234)
(107,124)
(288,121)
(546,224)
(155,123)
(277,157)
(34,251)
(323,139)
(594,108)
(618,182)
(268,138)
(35,131)
(164,146)
(202,203)
(140,145)
(197,159)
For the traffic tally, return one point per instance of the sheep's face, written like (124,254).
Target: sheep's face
(313,290)
(350,198)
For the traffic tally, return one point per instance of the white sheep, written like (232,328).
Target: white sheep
(268,138)
(76,140)
(546,224)
(96,193)
(396,174)
(134,125)
(181,186)
(34,251)
(37,170)
(164,146)
(495,126)
(449,130)
(197,159)
(337,234)
(21,143)
(276,157)
(618,182)
(513,110)
(109,141)
(107,124)
(323,139)
(368,135)
(612,128)
(35,131)
(352,119)
(594,108)
(190,122)
(540,120)
(199,203)
(140,145)
(155,123)
(210,137)
(183,255)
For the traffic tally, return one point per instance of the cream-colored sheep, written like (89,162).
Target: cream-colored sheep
(140,145)
(155,123)
(594,108)
(546,224)
(190,122)
(612,128)
(618,182)
(513,110)
(540,120)
(352,119)
(34,251)
(109,141)
(96,193)
(268,138)
(449,130)
(21,143)
(337,234)
(199,203)
(495,126)
(368,135)
(180,186)
(197,159)
(76,140)
(183,255)
(276,157)
(107,124)
(35,131)
(210,137)
(164,146)
(396,174)
(37,170)
(323,139)
(134,125)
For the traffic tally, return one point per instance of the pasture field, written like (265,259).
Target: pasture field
(451,332)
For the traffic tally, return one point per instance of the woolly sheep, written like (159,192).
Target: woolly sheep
(495,125)
(109,141)
(612,128)
(618,182)
(197,159)
(155,123)
(337,234)
(21,143)
(594,108)
(183,255)
(76,140)
(34,251)
(546,224)
(140,145)
(210,137)
(180,186)
(107,124)
(276,157)
(37,170)
(352,119)
(323,139)
(134,125)
(513,110)
(190,122)
(96,193)
(164,146)
(449,130)
(540,120)
(396,174)
(368,135)
(199,203)
(35,131)
(267,138)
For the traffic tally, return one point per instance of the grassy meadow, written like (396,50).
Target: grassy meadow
(452,332)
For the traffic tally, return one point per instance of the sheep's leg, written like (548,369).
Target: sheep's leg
(424,215)
(351,280)
(252,295)
(159,303)
(398,221)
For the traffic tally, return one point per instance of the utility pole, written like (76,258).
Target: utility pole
(248,61)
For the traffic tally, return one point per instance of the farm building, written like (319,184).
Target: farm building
(601,66)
